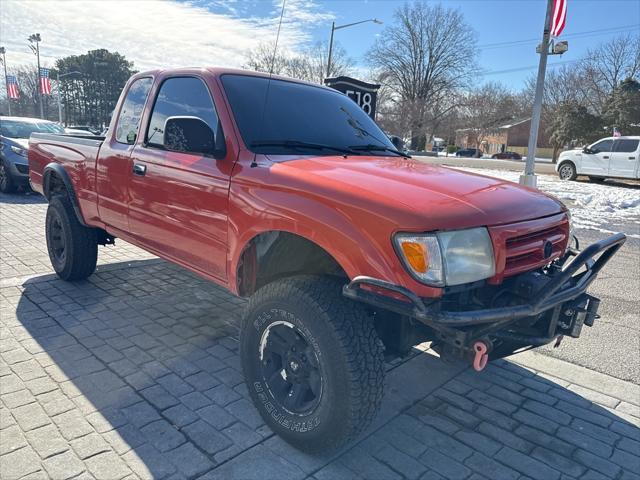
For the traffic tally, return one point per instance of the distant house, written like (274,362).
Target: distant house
(513,137)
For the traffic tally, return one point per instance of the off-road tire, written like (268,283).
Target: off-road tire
(347,349)
(79,244)
(7,185)
(567,171)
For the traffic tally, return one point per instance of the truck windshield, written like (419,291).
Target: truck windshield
(18,129)
(300,118)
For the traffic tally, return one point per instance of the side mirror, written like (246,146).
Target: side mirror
(190,134)
(586,149)
(397,142)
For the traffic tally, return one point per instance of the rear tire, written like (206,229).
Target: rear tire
(7,185)
(73,248)
(567,171)
(312,361)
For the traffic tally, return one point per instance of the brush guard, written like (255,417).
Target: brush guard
(554,298)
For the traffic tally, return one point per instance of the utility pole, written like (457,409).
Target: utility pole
(4,63)
(35,38)
(529,177)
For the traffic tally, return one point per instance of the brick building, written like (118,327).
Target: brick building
(513,137)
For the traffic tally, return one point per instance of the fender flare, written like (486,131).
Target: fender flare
(59,171)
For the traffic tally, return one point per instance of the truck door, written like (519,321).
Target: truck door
(114,163)
(179,198)
(597,163)
(624,159)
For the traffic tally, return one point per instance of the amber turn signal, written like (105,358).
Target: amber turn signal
(416,256)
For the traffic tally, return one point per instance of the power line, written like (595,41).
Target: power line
(530,67)
(587,33)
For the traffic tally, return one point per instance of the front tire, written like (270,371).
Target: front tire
(312,361)
(7,185)
(73,248)
(567,171)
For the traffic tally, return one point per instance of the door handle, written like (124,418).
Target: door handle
(605,157)
(632,158)
(139,169)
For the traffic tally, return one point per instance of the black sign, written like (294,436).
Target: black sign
(364,94)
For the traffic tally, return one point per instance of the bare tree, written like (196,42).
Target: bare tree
(310,64)
(424,57)
(606,66)
(487,108)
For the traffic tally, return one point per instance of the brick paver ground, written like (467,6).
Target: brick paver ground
(135,374)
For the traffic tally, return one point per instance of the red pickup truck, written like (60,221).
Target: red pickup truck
(287,193)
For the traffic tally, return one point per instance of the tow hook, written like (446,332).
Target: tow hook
(481,356)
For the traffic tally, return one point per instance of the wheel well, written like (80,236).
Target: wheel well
(54,185)
(274,255)
(567,161)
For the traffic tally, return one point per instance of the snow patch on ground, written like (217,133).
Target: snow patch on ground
(593,206)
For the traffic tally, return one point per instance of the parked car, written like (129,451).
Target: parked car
(288,194)
(14,146)
(468,152)
(612,157)
(507,156)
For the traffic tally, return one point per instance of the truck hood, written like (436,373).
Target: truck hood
(443,197)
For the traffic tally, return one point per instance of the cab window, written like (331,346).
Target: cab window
(189,98)
(603,146)
(129,119)
(626,145)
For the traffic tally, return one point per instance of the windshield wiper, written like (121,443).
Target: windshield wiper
(372,148)
(298,144)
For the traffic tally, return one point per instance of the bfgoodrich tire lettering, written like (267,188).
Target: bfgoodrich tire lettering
(73,248)
(334,332)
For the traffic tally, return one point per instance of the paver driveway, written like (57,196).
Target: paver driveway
(135,374)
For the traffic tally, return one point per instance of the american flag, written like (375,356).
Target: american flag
(559,18)
(45,83)
(12,87)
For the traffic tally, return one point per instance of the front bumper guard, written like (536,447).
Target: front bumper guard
(566,283)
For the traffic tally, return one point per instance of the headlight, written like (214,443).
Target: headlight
(447,258)
(20,151)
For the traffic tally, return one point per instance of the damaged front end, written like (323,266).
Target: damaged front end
(486,322)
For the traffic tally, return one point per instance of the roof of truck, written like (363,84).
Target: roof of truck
(219,71)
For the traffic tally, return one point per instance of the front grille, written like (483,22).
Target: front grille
(22,168)
(522,245)
(526,252)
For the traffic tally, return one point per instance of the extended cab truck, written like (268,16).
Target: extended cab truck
(289,194)
(613,157)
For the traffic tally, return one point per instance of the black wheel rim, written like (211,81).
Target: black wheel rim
(290,368)
(56,241)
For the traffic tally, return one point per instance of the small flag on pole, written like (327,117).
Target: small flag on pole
(559,18)
(12,87)
(616,132)
(45,83)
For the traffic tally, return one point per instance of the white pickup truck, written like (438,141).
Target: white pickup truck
(613,157)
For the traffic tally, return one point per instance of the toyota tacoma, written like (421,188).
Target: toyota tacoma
(288,194)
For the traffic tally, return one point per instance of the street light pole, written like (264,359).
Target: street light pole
(35,38)
(4,63)
(334,28)
(529,177)
(59,101)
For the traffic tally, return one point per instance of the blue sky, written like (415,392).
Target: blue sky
(494,21)
(168,33)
